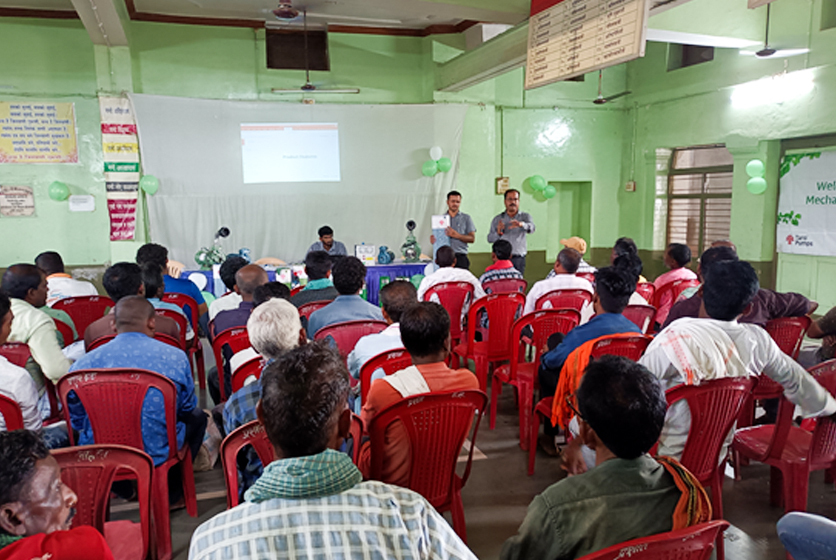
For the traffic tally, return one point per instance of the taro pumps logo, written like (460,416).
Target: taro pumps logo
(800,241)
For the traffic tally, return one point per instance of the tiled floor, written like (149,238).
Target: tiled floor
(498,493)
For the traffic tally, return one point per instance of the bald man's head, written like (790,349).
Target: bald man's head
(248,279)
(134,314)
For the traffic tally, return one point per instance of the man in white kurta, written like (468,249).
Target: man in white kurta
(564,278)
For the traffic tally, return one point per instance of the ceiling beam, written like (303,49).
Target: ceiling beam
(102,22)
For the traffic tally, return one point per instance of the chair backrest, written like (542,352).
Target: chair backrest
(296,290)
(181,321)
(505,285)
(186,303)
(389,361)
(16,352)
(250,434)
(452,296)
(102,340)
(253,366)
(543,323)
(691,543)
(588,276)
(308,308)
(345,335)
(672,289)
(113,399)
(11,413)
(436,425)
(631,347)
(564,299)
(788,333)
(823,444)
(641,315)
(168,339)
(236,339)
(65,330)
(502,310)
(714,407)
(84,309)
(91,469)
(646,290)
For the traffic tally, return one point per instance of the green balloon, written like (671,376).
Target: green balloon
(755,168)
(444,164)
(149,184)
(756,185)
(208,298)
(549,191)
(429,168)
(537,182)
(58,191)
(415,280)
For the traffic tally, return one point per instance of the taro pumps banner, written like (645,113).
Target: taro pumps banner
(807,204)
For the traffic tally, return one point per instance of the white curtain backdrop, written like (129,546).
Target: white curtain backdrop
(193,147)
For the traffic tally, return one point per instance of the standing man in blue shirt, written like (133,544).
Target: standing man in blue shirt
(461,231)
(326,243)
(512,226)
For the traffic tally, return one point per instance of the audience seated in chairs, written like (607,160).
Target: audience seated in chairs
(709,256)
(614,286)
(445,258)
(825,329)
(25,285)
(425,332)
(579,245)
(395,297)
(151,252)
(273,328)
(152,281)
(37,508)
(624,246)
(349,277)
(134,347)
(628,494)
(319,286)
(564,278)
(227,272)
(59,284)
(121,280)
(304,412)
(502,267)
(677,258)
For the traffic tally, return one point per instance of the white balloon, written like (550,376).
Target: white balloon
(198,279)
(436,153)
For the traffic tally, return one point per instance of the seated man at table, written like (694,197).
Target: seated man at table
(502,267)
(37,508)
(311,502)
(327,243)
(447,271)
(565,267)
(319,286)
(133,347)
(425,332)
(59,284)
(227,272)
(121,280)
(349,277)
(151,252)
(628,494)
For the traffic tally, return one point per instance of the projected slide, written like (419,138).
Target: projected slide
(290,152)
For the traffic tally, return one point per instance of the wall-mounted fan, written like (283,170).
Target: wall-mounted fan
(600,100)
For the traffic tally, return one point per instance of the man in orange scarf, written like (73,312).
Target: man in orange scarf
(628,494)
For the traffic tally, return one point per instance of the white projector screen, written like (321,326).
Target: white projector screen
(290,152)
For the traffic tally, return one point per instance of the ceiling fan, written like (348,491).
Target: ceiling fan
(600,100)
(766,50)
(287,12)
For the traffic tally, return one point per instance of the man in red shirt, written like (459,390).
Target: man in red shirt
(37,508)
(425,332)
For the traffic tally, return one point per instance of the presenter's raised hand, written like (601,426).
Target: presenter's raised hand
(514,224)
(500,227)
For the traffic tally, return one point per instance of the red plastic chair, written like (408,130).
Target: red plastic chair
(641,315)
(505,286)
(113,400)
(454,297)
(182,325)
(17,353)
(631,347)
(250,434)
(236,339)
(436,426)
(296,290)
(65,330)
(588,276)
(646,290)
(502,310)
(667,294)
(389,361)
(521,373)
(792,452)
(308,308)
(193,347)
(90,471)
(714,406)
(564,299)
(345,335)
(10,411)
(83,310)
(692,543)
(253,366)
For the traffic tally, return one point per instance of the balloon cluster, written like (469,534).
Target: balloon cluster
(539,184)
(755,169)
(437,163)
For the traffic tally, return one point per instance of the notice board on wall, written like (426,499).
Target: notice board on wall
(806,204)
(37,132)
